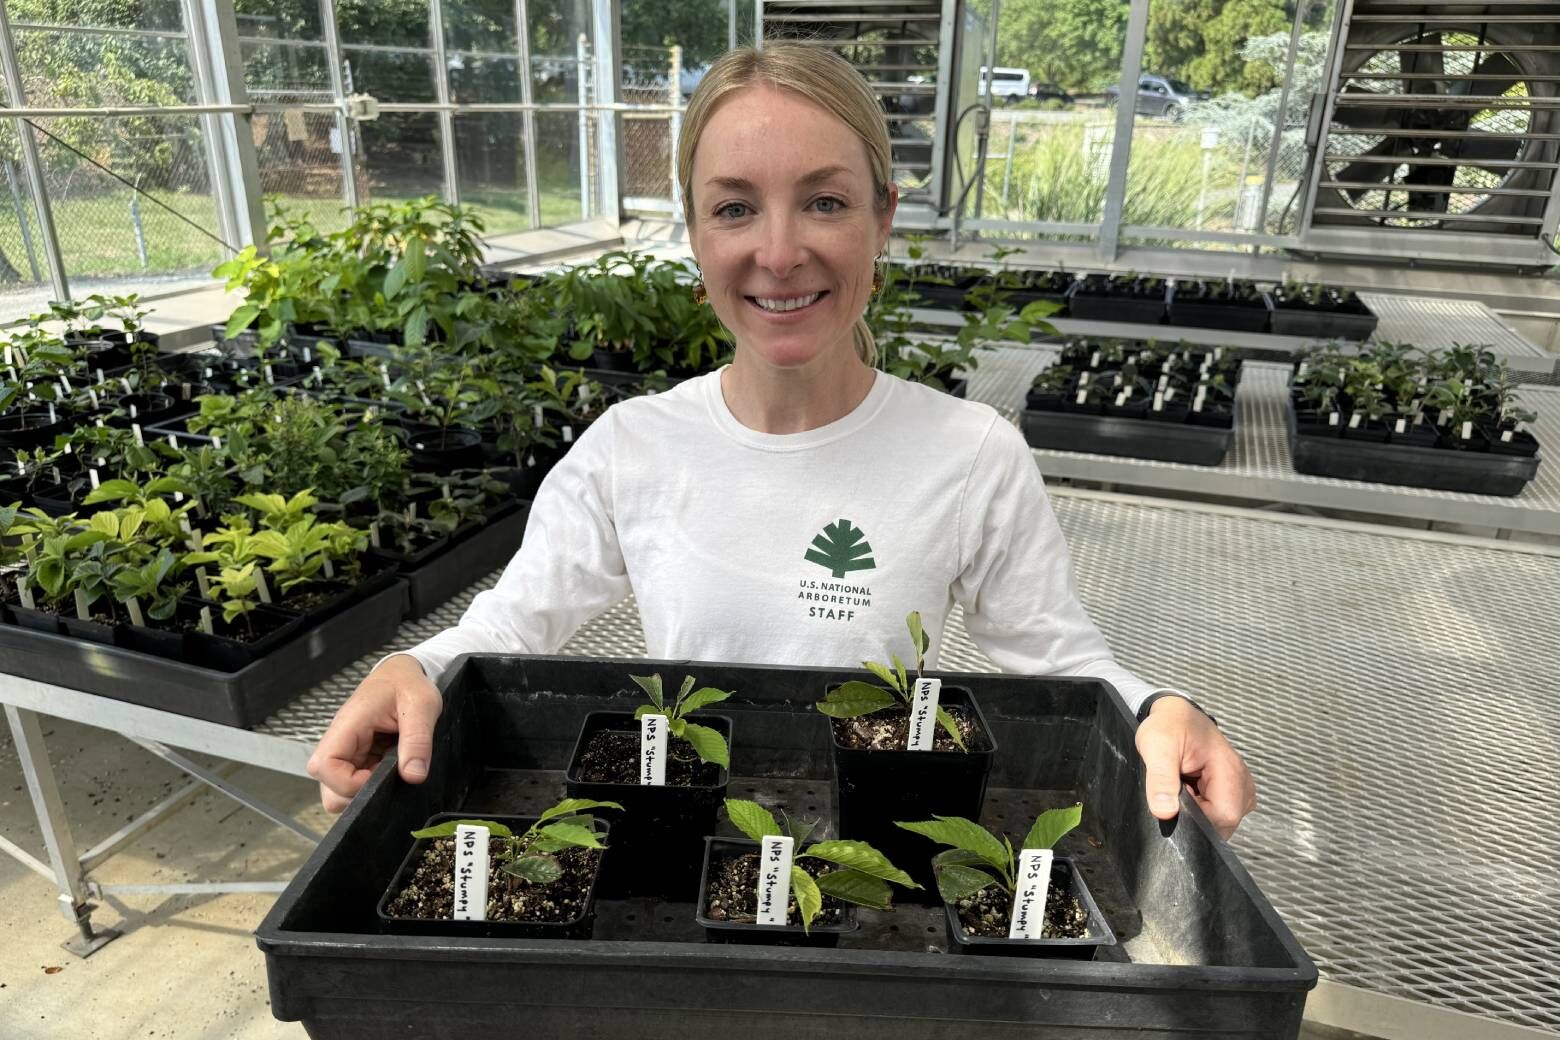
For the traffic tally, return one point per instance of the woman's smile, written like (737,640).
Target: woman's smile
(788,307)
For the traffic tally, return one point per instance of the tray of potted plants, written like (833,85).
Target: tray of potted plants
(1232,304)
(1141,399)
(790,911)
(1321,312)
(1133,298)
(1450,421)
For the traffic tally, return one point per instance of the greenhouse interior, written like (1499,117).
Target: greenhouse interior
(399,398)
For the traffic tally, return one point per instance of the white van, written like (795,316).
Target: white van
(1011,85)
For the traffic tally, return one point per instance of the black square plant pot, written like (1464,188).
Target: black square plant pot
(878,787)
(231,655)
(578,928)
(442,569)
(821,935)
(1064,877)
(37,620)
(658,834)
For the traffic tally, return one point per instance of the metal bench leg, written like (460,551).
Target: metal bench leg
(50,810)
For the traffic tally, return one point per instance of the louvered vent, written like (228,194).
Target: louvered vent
(1446,117)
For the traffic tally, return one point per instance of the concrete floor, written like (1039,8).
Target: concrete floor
(185,967)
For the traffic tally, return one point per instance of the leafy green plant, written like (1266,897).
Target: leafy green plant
(707,743)
(149,583)
(856,698)
(531,855)
(978,857)
(862,873)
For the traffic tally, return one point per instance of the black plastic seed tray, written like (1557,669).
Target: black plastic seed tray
(475,554)
(1200,950)
(1132,438)
(242,698)
(1403,465)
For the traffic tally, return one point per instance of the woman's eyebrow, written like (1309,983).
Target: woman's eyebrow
(807,180)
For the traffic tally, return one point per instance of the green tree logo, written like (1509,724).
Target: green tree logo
(842,548)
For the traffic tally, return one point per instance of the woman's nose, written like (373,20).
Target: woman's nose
(781,249)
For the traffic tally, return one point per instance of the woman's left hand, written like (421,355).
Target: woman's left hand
(1180,744)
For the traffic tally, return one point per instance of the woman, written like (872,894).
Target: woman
(793,507)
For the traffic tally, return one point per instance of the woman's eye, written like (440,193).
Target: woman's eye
(829,205)
(732,211)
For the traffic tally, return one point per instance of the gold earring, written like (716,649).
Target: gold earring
(700,293)
(877,277)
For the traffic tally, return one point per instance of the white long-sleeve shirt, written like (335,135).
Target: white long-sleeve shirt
(795,549)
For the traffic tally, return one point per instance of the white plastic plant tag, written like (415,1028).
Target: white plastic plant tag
(83,611)
(126,384)
(1400,426)
(471,873)
(1467,430)
(652,750)
(373,535)
(135,431)
(308,356)
(446,488)
(1083,396)
(1446,415)
(64,386)
(1121,399)
(262,587)
(1159,401)
(536,415)
(173,441)
(205,586)
(137,619)
(1354,421)
(1332,418)
(1505,436)
(133,412)
(1033,882)
(206,624)
(92,396)
(774,878)
(923,714)
(9,357)
(568,434)
(24,593)
(1164,381)
(384,374)
(207,370)
(1094,359)
(178,497)
(54,416)
(216,442)
(92,477)
(329,569)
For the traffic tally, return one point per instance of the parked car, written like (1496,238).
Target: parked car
(1160,96)
(1050,92)
(1011,85)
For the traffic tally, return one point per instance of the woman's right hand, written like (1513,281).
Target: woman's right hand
(395,705)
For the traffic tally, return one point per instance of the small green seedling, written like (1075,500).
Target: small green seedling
(862,878)
(532,856)
(707,743)
(854,699)
(978,858)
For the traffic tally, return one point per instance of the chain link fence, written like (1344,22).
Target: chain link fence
(652,76)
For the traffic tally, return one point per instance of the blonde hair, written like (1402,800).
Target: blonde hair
(820,76)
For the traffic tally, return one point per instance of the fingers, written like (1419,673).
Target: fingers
(1225,790)
(417,709)
(1161,747)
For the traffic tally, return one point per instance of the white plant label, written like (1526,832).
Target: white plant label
(262,588)
(173,441)
(92,396)
(1467,430)
(64,386)
(536,415)
(1083,395)
(1354,421)
(137,619)
(54,416)
(1332,419)
(101,378)
(652,750)
(206,625)
(1159,401)
(568,434)
(135,431)
(205,585)
(774,878)
(1033,881)
(1505,436)
(1400,426)
(216,442)
(923,714)
(24,593)
(126,384)
(133,412)
(270,376)
(373,535)
(1094,360)
(92,477)
(471,873)
(83,609)
(308,356)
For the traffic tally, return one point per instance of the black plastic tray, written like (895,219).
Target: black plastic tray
(488,547)
(1320,324)
(1199,949)
(1133,438)
(1231,317)
(1132,310)
(241,698)
(1402,465)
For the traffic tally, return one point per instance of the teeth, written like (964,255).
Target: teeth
(781,306)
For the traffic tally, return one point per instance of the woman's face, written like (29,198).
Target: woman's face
(784,224)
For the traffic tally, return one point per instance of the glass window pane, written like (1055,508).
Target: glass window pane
(110,14)
(282,71)
(278,19)
(560,141)
(111,236)
(98,70)
(556,29)
(387,49)
(299,155)
(490,155)
(477,78)
(384,23)
(24,270)
(399,155)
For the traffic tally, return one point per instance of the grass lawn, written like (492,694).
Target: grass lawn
(97,235)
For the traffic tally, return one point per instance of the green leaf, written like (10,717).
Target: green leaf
(918,636)
(687,685)
(649,709)
(703,698)
(904,680)
(1051,825)
(853,886)
(808,899)
(853,699)
(961,834)
(751,818)
(569,806)
(395,280)
(571,834)
(651,684)
(882,672)
(111,491)
(950,727)
(416,328)
(538,870)
(239,320)
(447,829)
(709,744)
(858,855)
(959,882)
